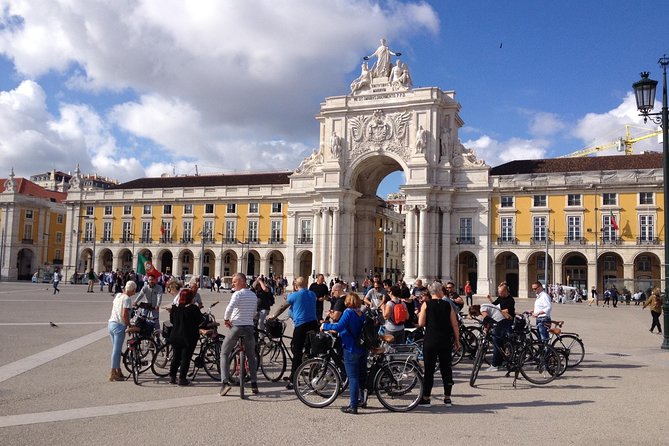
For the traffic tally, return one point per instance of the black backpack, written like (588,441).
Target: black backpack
(369,335)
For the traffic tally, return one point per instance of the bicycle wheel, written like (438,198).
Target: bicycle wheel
(317,383)
(272,361)
(573,348)
(242,372)
(399,386)
(456,355)
(234,367)
(470,342)
(478,361)
(136,360)
(160,366)
(539,363)
(212,359)
(146,349)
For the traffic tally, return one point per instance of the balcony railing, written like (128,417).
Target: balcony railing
(507,241)
(610,240)
(89,239)
(146,240)
(127,239)
(229,241)
(209,240)
(107,240)
(253,240)
(276,241)
(647,240)
(538,240)
(574,241)
(305,240)
(465,240)
(186,239)
(166,239)
(27,241)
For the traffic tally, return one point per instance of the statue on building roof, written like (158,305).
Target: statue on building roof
(363,81)
(381,67)
(10,183)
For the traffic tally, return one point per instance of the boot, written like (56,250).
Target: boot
(113,376)
(120,375)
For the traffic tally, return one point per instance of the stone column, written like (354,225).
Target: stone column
(317,237)
(628,273)
(336,243)
(433,244)
(289,254)
(325,246)
(423,240)
(523,285)
(410,245)
(446,239)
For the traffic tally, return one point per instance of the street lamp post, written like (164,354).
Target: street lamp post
(644,91)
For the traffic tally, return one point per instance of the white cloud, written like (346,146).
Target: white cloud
(496,152)
(545,124)
(214,79)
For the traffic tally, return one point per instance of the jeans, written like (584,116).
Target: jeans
(469,299)
(262,315)
(117,335)
(542,328)
(249,348)
(356,369)
(499,334)
(55,287)
(433,350)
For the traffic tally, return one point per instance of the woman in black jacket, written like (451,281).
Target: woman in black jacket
(186,319)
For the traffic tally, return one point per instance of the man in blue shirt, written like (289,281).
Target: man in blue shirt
(303,307)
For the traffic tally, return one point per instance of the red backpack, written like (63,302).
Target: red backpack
(400,313)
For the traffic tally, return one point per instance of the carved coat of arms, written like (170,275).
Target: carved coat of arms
(380,132)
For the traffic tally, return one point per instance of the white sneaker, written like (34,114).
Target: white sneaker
(492,368)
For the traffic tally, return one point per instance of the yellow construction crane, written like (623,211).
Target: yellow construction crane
(621,144)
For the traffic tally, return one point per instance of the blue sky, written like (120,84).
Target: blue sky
(144,87)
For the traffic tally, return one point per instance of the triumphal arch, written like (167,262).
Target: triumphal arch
(385,124)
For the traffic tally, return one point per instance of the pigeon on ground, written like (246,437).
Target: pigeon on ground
(52,324)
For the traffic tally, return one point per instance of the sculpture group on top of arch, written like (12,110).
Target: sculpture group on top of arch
(396,76)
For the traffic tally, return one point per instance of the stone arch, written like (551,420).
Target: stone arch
(105,260)
(507,270)
(208,263)
(304,264)
(275,264)
(611,268)
(185,263)
(86,260)
(165,261)
(574,270)
(367,171)
(536,268)
(229,261)
(124,260)
(252,263)
(647,271)
(25,264)
(466,268)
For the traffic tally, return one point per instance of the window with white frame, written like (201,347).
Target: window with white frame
(230,234)
(89,211)
(88,231)
(608,229)
(609,263)
(188,209)
(253,208)
(573,228)
(253,231)
(126,231)
(28,231)
(466,230)
(59,237)
(107,231)
(167,229)
(305,230)
(146,231)
(644,263)
(539,229)
(540,201)
(167,209)
(58,255)
(609,199)
(127,209)
(646,198)
(507,229)
(108,210)
(208,230)
(187,231)
(209,208)
(146,209)
(573,199)
(29,214)
(506,201)
(275,233)
(276,208)
(646,228)
(59,219)
(231,208)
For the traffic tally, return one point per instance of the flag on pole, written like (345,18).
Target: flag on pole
(613,222)
(141,261)
(162,228)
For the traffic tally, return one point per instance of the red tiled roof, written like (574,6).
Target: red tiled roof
(27,187)
(651,160)
(251,179)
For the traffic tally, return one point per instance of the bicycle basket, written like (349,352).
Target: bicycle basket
(274,328)
(519,325)
(145,329)
(167,329)
(320,343)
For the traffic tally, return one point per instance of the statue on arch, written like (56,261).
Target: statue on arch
(362,81)
(381,67)
(335,145)
(421,139)
(400,79)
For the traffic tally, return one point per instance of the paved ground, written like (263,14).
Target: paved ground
(54,389)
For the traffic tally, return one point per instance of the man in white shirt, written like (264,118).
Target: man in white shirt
(238,317)
(542,310)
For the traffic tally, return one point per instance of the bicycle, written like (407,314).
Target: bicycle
(569,345)
(538,362)
(206,356)
(143,345)
(272,351)
(240,370)
(134,358)
(395,378)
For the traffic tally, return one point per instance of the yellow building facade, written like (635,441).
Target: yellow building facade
(581,222)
